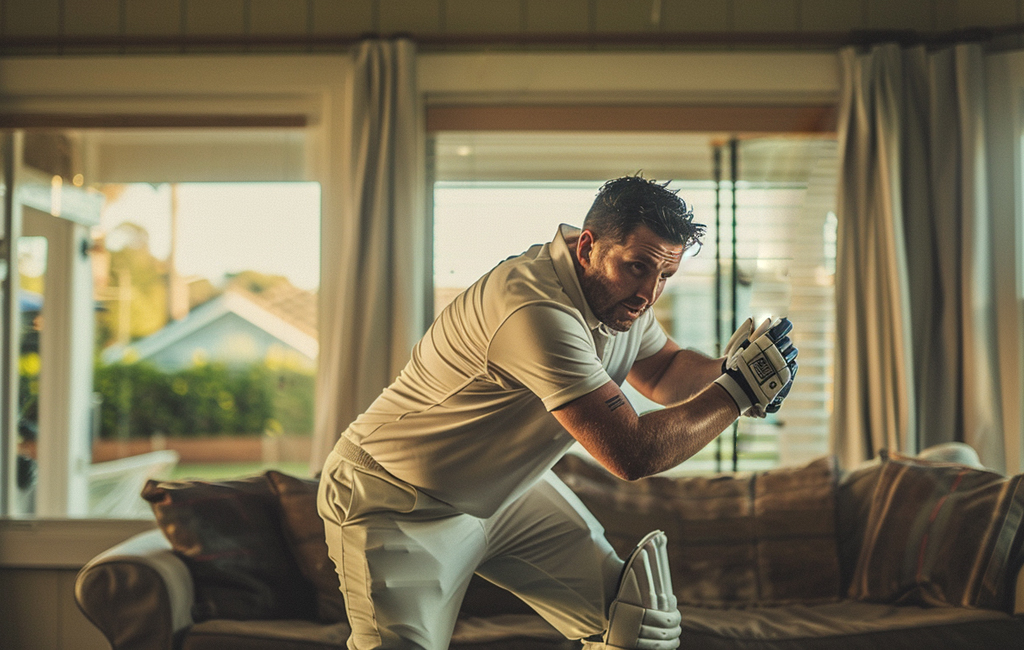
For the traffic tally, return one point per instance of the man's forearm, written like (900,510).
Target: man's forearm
(688,374)
(660,440)
(632,446)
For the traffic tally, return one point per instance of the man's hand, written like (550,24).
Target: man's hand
(761,370)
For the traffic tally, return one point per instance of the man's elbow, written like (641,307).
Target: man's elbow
(629,469)
(632,476)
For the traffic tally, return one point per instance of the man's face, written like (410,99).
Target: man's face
(620,281)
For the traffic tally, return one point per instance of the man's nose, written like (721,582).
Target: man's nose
(649,289)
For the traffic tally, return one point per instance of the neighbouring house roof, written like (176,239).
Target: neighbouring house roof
(30,302)
(291,304)
(268,313)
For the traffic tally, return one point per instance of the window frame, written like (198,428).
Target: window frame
(174,92)
(733,93)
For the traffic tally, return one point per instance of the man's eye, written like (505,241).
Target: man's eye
(638,267)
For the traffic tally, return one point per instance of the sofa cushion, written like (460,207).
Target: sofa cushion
(266,635)
(848,625)
(734,539)
(504,632)
(940,534)
(229,535)
(304,533)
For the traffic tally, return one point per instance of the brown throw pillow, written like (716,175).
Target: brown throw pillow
(854,493)
(304,532)
(228,534)
(733,539)
(940,534)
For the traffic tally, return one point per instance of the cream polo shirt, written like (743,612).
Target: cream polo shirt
(468,420)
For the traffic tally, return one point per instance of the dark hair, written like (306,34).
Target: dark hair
(624,204)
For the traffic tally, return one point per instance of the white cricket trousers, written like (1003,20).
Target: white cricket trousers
(405,559)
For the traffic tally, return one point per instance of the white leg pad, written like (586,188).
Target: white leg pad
(643,615)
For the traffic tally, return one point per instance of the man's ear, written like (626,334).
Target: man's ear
(584,248)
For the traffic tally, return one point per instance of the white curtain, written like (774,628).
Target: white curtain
(915,338)
(873,393)
(374,284)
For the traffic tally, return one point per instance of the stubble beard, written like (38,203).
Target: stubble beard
(596,293)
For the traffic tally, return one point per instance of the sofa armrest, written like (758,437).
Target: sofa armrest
(1018,597)
(138,593)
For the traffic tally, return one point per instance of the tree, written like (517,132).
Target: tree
(138,283)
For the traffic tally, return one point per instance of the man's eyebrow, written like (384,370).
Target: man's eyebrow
(648,256)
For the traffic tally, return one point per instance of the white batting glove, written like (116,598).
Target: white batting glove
(762,369)
(739,340)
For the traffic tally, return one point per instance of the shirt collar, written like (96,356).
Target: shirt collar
(565,268)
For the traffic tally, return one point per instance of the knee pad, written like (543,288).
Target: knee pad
(643,615)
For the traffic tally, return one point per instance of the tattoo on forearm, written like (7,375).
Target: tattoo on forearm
(615,402)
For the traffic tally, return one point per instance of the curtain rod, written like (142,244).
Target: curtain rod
(615,39)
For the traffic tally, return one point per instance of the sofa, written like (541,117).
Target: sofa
(897,553)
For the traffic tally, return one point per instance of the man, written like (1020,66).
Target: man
(448,472)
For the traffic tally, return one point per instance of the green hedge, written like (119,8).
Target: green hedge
(140,400)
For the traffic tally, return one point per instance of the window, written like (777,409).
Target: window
(168,327)
(495,194)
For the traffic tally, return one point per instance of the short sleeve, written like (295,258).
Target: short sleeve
(548,350)
(652,337)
